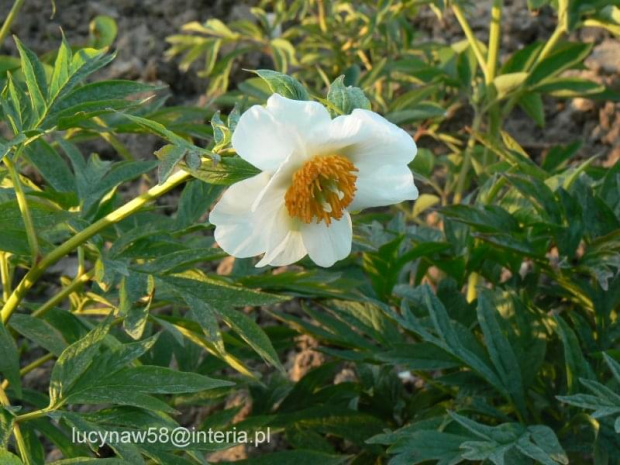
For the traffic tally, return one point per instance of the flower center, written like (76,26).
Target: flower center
(321,189)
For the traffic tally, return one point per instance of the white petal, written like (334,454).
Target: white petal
(369,140)
(237,229)
(307,120)
(328,244)
(386,185)
(267,136)
(289,251)
(262,140)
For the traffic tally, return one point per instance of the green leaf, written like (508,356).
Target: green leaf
(502,354)
(225,172)
(545,439)
(419,112)
(565,56)
(35,78)
(97,97)
(613,365)
(134,287)
(576,364)
(522,59)
(102,31)
(251,333)
(452,337)
(196,200)
(421,356)
(7,420)
(159,380)
(558,155)
(9,361)
(284,85)
(74,361)
(346,98)
(62,67)
(507,83)
(419,446)
(159,129)
(569,87)
(39,331)
(89,461)
(106,178)
(83,63)
(500,442)
(206,316)
(9,459)
(217,293)
(221,132)
(532,104)
(51,165)
(295,457)
(169,157)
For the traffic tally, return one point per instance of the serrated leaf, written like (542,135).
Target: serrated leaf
(9,459)
(169,157)
(96,95)
(9,360)
(565,56)
(507,83)
(206,316)
(7,420)
(284,85)
(62,67)
(40,332)
(296,457)
(35,78)
(159,380)
(251,333)
(532,104)
(500,351)
(74,361)
(216,292)
(51,165)
(421,111)
(225,172)
(576,364)
(102,31)
(346,98)
(569,87)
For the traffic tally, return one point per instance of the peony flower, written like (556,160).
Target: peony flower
(315,171)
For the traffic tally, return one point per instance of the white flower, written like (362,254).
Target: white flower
(315,171)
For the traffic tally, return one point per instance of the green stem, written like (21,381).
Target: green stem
(547,49)
(65,292)
(550,45)
(5,276)
(495,37)
(471,38)
(460,184)
(322,21)
(472,282)
(21,444)
(19,439)
(9,19)
(67,247)
(23,208)
(33,415)
(30,367)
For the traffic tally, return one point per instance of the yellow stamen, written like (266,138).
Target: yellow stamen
(321,189)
